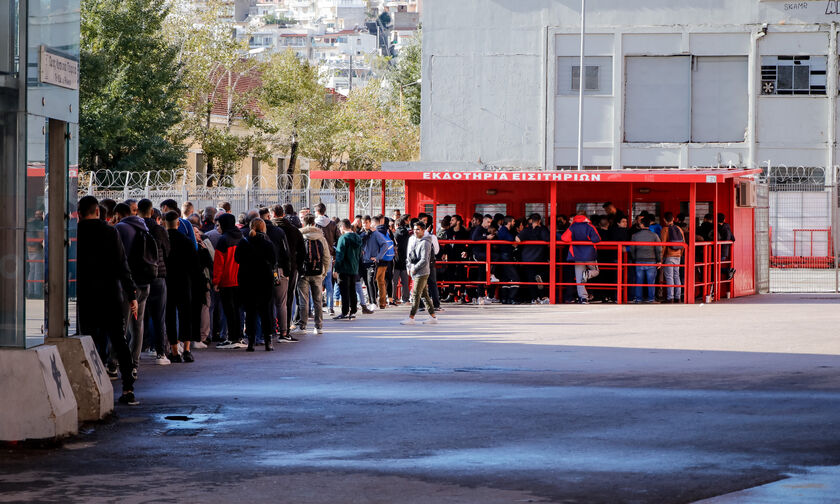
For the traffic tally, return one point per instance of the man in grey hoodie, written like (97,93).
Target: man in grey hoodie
(331,234)
(418,264)
(311,283)
(128,229)
(647,259)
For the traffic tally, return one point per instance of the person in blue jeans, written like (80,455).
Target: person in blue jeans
(647,259)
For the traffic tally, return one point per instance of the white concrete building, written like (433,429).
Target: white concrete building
(668,83)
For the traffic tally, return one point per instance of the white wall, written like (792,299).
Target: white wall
(490,82)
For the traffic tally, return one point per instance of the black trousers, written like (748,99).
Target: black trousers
(531,272)
(156,316)
(179,315)
(115,334)
(389,280)
(347,288)
(478,273)
(231,304)
(508,273)
(254,309)
(369,279)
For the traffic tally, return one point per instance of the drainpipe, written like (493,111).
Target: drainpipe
(831,91)
(753,94)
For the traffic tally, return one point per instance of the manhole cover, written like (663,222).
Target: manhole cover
(178,418)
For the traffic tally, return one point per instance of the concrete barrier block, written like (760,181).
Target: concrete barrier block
(86,372)
(36,398)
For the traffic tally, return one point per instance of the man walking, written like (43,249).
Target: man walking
(104,283)
(418,262)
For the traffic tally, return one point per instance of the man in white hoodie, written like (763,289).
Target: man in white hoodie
(313,277)
(418,264)
(331,235)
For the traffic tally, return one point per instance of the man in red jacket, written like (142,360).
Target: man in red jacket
(584,256)
(225,272)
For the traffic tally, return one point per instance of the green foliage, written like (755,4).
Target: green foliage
(212,64)
(406,75)
(385,19)
(129,88)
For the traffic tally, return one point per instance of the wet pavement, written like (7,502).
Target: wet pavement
(647,404)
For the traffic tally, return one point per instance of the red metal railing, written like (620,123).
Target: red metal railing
(806,258)
(620,266)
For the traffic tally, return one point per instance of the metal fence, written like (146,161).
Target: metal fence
(300,192)
(802,216)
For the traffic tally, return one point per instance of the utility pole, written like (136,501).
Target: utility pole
(581,83)
(351,72)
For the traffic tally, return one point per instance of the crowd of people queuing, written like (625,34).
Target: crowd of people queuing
(168,280)
(171,279)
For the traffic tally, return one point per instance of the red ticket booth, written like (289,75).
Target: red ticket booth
(692,192)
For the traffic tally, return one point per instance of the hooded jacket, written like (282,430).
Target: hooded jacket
(128,228)
(581,230)
(294,220)
(347,254)
(401,242)
(330,230)
(162,239)
(182,265)
(375,246)
(281,245)
(256,256)
(419,256)
(225,267)
(295,240)
(313,233)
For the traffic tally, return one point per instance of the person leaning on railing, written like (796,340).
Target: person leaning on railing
(647,259)
(672,255)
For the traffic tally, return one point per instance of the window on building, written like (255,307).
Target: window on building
(597,79)
(657,99)
(590,79)
(532,208)
(793,75)
(591,209)
(586,168)
(719,99)
(491,208)
(650,207)
(442,211)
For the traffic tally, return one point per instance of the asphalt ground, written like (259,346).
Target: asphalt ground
(589,404)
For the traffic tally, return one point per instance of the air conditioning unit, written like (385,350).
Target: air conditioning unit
(745,193)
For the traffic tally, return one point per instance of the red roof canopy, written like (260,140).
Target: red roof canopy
(710,176)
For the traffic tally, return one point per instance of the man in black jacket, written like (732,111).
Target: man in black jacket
(535,253)
(281,285)
(103,282)
(400,271)
(156,303)
(182,269)
(297,254)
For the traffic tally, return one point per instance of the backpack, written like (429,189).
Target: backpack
(312,265)
(675,235)
(143,258)
(389,254)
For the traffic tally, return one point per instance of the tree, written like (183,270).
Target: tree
(213,63)
(297,110)
(374,130)
(406,77)
(129,88)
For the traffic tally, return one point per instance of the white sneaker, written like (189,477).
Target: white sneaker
(493,300)
(317,330)
(430,320)
(241,344)
(493,278)
(198,345)
(162,360)
(227,344)
(481,301)
(151,352)
(180,347)
(409,321)
(545,301)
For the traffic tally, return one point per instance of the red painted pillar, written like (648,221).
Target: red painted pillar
(383,196)
(716,249)
(692,240)
(552,248)
(352,189)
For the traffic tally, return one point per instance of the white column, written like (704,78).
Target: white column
(582,81)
